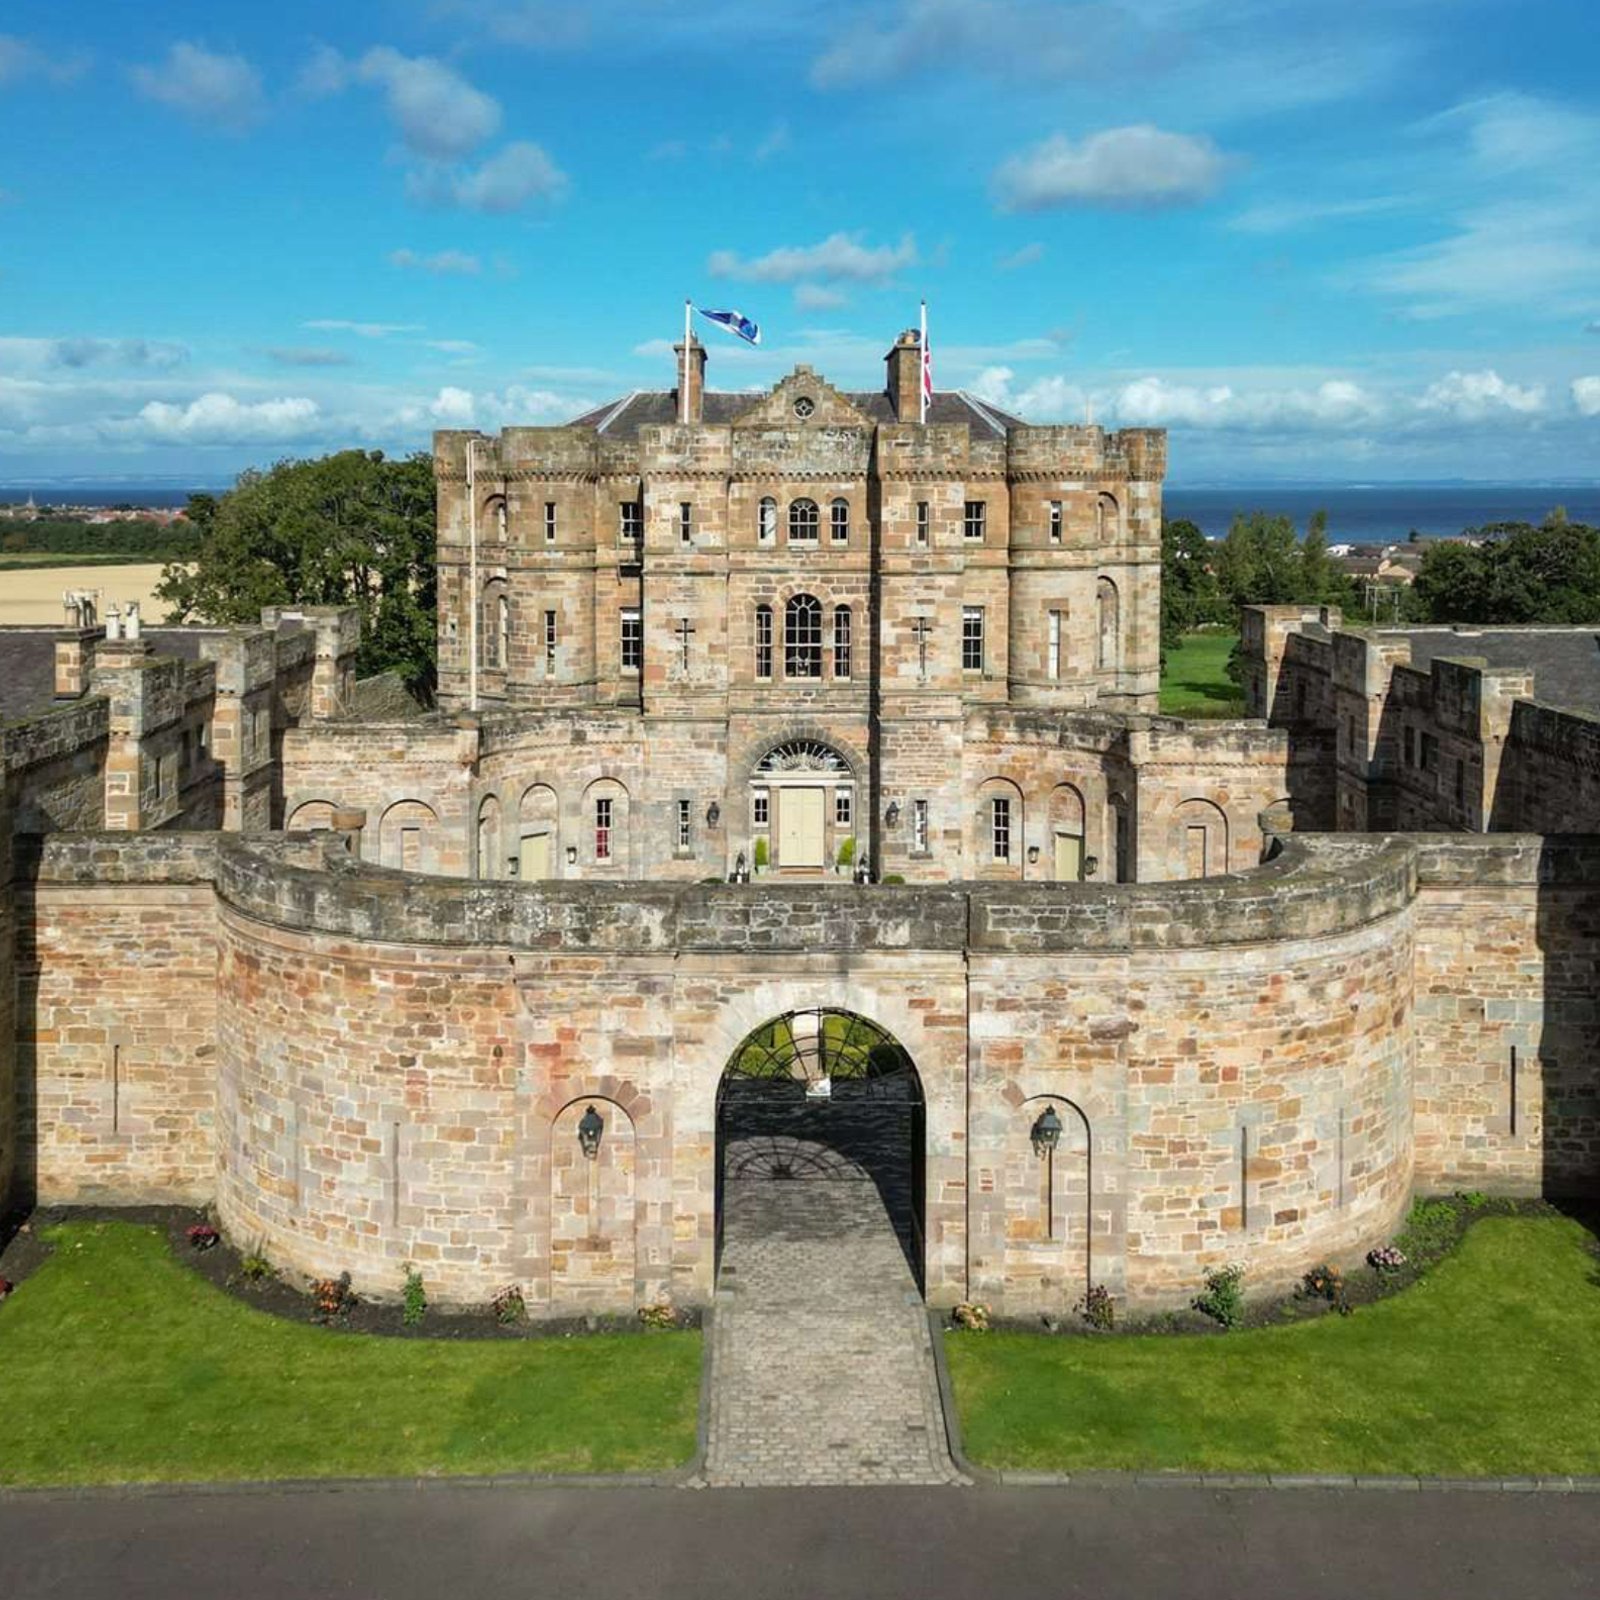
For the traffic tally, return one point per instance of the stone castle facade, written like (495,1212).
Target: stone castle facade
(278,941)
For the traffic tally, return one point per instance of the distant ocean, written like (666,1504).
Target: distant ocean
(1386,513)
(1356,515)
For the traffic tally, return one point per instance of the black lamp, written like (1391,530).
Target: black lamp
(1046,1134)
(572,855)
(590,1126)
(1033,855)
(713,814)
(891,817)
(1091,865)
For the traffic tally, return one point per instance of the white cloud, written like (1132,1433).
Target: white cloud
(452,347)
(1284,216)
(454,407)
(221,91)
(532,24)
(441,262)
(1473,396)
(1586,396)
(1026,256)
(217,418)
(1137,167)
(308,356)
(506,182)
(439,114)
(840,258)
(776,143)
(20,59)
(818,297)
(158,354)
(362,330)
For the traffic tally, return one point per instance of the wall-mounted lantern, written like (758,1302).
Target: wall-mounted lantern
(1091,865)
(590,1127)
(1033,855)
(891,817)
(572,855)
(1046,1133)
(713,814)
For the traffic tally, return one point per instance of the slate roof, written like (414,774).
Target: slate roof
(28,664)
(1565,662)
(650,407)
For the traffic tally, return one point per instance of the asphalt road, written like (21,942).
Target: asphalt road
(450,1542)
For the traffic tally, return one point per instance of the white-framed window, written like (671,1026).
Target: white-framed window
(841,808)
(630,521)
(974,519)
(763,642)
(922,521)
(549,522)
(685,825)
(1054,628)
(549,641)
(839,521)
(767,520)
(1055,522)
(802,637)
(760,808)
(841,641)
(1000,828)
(685,522)
(632,639)
(502,635)
(804,522)
(972,638)
(602,828)
(919,827)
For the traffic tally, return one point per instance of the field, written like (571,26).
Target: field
(1195,682)
(32,594)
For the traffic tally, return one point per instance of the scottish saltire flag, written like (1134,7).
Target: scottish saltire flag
(736,322)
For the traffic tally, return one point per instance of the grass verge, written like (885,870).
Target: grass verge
(1195,681)
(120,1365)
(1489,1366)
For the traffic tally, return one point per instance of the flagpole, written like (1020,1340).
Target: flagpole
(922,368)
(683,382)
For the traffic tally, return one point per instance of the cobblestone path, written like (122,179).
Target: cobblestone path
(822,1367)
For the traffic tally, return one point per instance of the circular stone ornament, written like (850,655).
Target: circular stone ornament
(804,406)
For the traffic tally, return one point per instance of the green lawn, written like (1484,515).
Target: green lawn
(1489,1366)
(1196,682)
(117,1364)
(18,559)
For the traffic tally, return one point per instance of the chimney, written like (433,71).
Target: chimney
(691,377)
(905,374)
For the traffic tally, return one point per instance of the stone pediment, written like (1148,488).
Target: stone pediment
(804,399)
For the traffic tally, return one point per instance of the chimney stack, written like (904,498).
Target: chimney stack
(691,379)
(905,375)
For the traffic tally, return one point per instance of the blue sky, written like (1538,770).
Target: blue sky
(1352,242)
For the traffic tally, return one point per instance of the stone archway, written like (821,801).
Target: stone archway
(823,1096)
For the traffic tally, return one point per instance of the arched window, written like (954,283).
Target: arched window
(803,522)
(1110,625)
(489,837)
(839,517)
(763,641)
(767,520)
(802,636)
(841,641)
(494,614)
(1108,519)
(503,633)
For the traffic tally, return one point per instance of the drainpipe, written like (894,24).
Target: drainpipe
(472,572)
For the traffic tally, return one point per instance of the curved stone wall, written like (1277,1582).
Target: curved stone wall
(400,1058)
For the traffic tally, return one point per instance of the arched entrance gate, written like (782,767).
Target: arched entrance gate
(825,1096)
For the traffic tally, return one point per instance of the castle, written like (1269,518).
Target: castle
(796,772)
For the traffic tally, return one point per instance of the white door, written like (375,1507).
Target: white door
(800,830)
(533,857)
(1069,857)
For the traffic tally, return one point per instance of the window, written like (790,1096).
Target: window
(803,522)
(685,522)
(922,522)
(802,637)
(1110,624)
(839,515)
(549,641)
(684,836)
(632,639)
(972,638)
(630,524)
(1054,664)
(841,641)
(763,641)
(919,827)
(767,521)
(502,638)
(549,522)
(973,519)
(841,808)
(1055,522)
(1000,828)
(760,808)
(602,828)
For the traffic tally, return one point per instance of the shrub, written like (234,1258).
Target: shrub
(971,1315)
(763,850)
(1222,1299)
(203,1236)
(659,1315)
(1097,1308)
(1473,1199)
(508,1306)
(1386,1258)
(333,1298)
(893,877)
(1430,1230)
(1323,1282)
(254,1266)
(847,851)
(414,1298)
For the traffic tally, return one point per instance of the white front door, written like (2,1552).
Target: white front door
(801,838)
(1069,857)
(533,858)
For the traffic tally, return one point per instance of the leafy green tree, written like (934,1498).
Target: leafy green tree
(353,528)
(1517,573)
(1189,592)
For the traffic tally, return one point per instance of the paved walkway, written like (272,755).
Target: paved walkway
(822,1368)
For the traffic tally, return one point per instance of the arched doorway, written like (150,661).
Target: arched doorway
(803,803)
(823,1096)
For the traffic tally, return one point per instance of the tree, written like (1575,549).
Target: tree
(348,529)
(1189,593)
(1516,573)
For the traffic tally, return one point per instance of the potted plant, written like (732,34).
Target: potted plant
(763,853)
(847,854)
